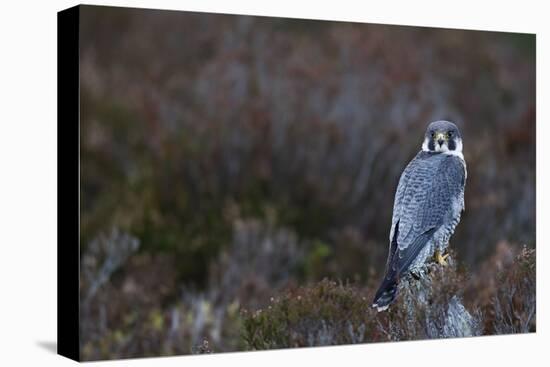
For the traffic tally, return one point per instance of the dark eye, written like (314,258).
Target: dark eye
(450,134)
(433,134)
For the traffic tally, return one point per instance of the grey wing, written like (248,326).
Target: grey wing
(397,207)
(424,202)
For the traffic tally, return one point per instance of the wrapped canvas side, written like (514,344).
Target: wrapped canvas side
(68,183)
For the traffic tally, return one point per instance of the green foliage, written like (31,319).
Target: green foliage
(316,259)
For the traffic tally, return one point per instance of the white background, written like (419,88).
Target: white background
(28,182)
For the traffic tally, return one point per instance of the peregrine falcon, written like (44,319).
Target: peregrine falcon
(428,203)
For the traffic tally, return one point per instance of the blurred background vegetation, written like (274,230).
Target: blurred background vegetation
(226,159)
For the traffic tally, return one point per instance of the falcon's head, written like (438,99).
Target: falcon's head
(442,137)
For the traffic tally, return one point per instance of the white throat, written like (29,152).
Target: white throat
(444,149)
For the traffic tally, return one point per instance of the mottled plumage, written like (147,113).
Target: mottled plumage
(427,207)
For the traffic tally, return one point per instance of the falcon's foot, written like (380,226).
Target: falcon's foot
(441,259)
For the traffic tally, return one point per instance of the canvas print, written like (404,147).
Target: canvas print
(252,183)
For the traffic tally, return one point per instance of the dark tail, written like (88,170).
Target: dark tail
(385,294)
(397,264)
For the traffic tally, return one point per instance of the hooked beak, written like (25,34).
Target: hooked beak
(440,138)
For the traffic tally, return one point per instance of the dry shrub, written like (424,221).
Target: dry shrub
(482,285)
(504,289)
(329,313)
(515,300)
(326,313)
(129,308)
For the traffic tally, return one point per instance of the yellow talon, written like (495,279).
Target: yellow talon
(441,259)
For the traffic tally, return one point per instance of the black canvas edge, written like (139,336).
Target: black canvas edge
(68,183)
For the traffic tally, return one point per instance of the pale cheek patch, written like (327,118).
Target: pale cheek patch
(425,145)
(459,145)
(457,151)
